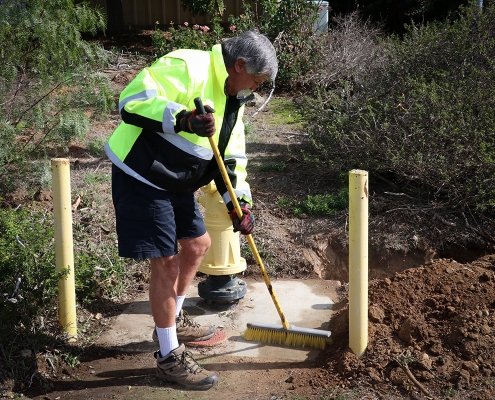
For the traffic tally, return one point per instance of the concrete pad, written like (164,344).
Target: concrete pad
(305,304)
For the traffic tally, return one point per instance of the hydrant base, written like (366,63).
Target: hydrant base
(222,288)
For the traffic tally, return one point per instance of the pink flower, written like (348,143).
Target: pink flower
(232,28)
(186,23)
(205,28)
(195,26)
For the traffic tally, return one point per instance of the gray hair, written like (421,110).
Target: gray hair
(255,49)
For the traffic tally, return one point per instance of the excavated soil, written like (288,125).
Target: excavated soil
(430,337)
(430,334)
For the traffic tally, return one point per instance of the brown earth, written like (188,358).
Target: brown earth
(430,336)
(431,293)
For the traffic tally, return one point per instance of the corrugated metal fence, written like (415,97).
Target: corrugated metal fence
(145,13)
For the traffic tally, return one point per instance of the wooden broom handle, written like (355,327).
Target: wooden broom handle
(199,106)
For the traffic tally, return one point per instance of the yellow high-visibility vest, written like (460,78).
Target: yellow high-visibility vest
(146,145)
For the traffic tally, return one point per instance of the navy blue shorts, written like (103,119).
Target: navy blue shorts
(150,221)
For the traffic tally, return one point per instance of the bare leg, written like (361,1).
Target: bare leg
(171,276)
(163,289)
(190,256)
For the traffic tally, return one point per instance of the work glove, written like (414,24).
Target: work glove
(244,224)
(200,124)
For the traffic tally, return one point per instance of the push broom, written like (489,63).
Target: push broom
(285,334)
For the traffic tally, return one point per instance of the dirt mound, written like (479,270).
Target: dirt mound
(430,332)
(430,336)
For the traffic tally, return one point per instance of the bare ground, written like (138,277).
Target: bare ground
(431,294)
(430,336)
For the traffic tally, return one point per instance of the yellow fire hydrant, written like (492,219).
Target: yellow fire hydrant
(223,260)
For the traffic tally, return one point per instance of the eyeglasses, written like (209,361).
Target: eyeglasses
(258,82)
(244,93)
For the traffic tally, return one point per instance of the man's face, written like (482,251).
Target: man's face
(240,80)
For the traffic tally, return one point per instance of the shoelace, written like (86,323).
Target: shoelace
(186,321)
(190,363)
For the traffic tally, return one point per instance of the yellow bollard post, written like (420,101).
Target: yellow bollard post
(64,252)
(358,261)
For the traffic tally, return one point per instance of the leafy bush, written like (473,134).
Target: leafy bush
(350,52)
(187,36)
(426,115)
(204,7)
(29,284)
(49,84)
(290,27)
(99,270)
(288,24)
(318,204)
(274,166)
(29,287)
(323,204)
(27,266)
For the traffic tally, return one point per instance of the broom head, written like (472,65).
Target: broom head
(294,336)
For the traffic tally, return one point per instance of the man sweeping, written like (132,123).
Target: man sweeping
(161,155)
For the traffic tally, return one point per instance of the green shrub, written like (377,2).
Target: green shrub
(187,36)
(323,204)
(49,80)
(317,205)
(99,270)
(29,283)
(278,167)
(284,202)
(288,24)
(204,7)
(27,265)
(29,288)
(96,147)
(426,115)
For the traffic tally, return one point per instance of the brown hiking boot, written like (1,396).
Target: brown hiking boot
(188,330)
(180,367)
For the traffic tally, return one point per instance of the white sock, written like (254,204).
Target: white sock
(167,337)
(179,300)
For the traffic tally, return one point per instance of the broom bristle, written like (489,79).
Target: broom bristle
(279,335)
